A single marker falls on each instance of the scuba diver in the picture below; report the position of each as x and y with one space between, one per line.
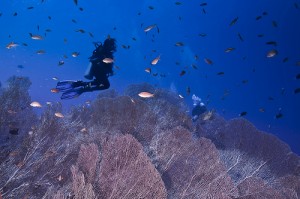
99 69
199 108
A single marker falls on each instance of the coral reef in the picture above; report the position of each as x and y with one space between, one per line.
124 146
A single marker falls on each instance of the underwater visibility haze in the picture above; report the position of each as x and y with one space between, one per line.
242 58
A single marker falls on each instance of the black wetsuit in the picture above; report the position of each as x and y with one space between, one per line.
99 71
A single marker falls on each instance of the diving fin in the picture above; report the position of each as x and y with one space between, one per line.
68 85
72 93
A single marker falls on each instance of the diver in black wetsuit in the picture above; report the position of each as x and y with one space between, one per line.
100 68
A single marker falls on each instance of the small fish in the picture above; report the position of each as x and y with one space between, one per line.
80 30
40 52
48 103
48 30
203 4
262 110
178 3
182 73
11 45
194 66
31 7
60 178
55 78
260 35
243 113
15 14
151 7
148 70
298 76
179 44
91 34
35 37
240 37
74 21
117 67
274 23
258 17
270 98
20 66
24 44
245 81
83 130
278 115
272 53
75 54
229 50
188 90
60 115
154 61
146 94
233 21
54 90
81 9
285 59
220 73
203 10
148 28
208 61
76 2
264 13
11 112
296 5
208 116
202 34
271 43
297 90
36 104
108 60
133 38
61 62
49 17
181 96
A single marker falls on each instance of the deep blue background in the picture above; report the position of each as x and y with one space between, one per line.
266 77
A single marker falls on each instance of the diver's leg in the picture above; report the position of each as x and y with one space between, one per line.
88 73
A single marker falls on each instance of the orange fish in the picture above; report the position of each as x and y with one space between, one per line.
108 60
54 90
154 61
11 45
146 94
208 61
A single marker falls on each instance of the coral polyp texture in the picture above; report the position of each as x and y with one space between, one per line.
125 146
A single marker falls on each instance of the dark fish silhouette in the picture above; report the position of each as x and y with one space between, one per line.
285 59
298 76
243 113
271 43
274 23
240 37
297 90
76 2
233 21
203 4
182 73
258 17
279 115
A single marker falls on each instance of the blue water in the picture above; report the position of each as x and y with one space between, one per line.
269 83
